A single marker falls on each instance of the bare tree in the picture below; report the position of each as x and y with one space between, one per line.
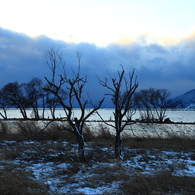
160 102
34 93
142 101
3 105
122 90
52 101
155 102
74 87
15 97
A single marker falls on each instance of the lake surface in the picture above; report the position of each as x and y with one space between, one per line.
107 114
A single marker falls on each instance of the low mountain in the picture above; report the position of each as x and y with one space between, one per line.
185 101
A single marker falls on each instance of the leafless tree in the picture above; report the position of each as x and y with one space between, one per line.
34 93
74 87
4 105
160 102
122 90
52 101
142 101
155 102
14 94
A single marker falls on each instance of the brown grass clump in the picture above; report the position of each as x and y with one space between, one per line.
162 182
3 127
173 143
34 130
19 182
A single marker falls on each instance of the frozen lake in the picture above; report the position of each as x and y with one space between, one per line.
133 130
107 114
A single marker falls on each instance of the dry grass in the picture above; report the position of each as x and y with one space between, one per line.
33 130
99 170
19 182
57 145
174 143
162 182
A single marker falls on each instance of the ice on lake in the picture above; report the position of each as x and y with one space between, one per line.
107 114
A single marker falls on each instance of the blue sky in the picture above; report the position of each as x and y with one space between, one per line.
155 37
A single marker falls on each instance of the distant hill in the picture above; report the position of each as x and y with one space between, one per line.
185 101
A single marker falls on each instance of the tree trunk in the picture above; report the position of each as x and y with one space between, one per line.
53 113
81 151
23 112
43 106
118 146
80 140
5 114
36 112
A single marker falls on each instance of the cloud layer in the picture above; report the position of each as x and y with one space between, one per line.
170 66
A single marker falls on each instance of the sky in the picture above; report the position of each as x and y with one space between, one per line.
155 37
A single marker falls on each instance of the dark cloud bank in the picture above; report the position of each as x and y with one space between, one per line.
171 67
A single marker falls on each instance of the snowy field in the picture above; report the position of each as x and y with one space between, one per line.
54 163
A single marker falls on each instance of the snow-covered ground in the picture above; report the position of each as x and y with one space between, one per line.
101 174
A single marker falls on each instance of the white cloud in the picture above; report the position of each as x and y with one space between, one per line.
100 22
163 66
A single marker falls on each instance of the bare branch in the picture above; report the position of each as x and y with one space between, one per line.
74 87
122 100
